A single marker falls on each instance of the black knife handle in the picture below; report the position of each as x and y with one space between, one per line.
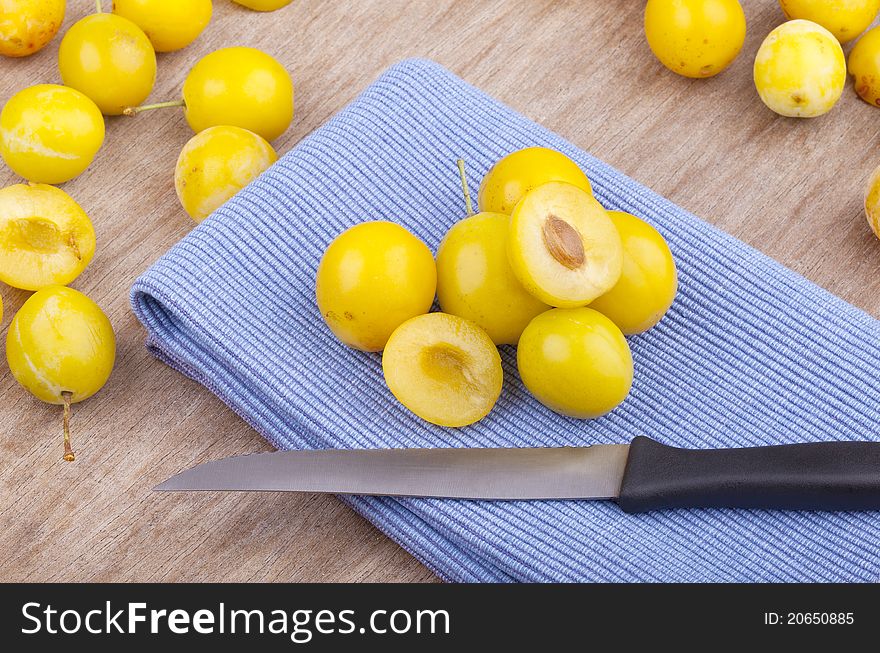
812 476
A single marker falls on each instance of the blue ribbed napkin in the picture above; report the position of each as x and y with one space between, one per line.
750 354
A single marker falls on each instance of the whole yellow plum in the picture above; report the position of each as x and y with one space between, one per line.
800 70
263 5
695 38
575 361
846 19
169 24
109 59
26 26
864 66
371 279
217 163
61 348
514 175
50 133
872 202
648 282
475 279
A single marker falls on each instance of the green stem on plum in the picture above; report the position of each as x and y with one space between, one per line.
68 451
464 187
133 111
98 6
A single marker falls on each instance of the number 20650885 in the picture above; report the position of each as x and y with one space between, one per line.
809 618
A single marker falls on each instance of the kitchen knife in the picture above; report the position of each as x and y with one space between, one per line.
642 476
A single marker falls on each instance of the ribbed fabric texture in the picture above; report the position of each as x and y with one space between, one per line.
750 354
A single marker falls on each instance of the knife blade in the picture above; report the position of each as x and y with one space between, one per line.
642 476
546 473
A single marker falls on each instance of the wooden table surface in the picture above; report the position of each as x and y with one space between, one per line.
791 188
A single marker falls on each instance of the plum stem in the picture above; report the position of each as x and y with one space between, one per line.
464 187
133 111
68 451
98 7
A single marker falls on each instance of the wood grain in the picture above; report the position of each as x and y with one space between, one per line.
791 188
